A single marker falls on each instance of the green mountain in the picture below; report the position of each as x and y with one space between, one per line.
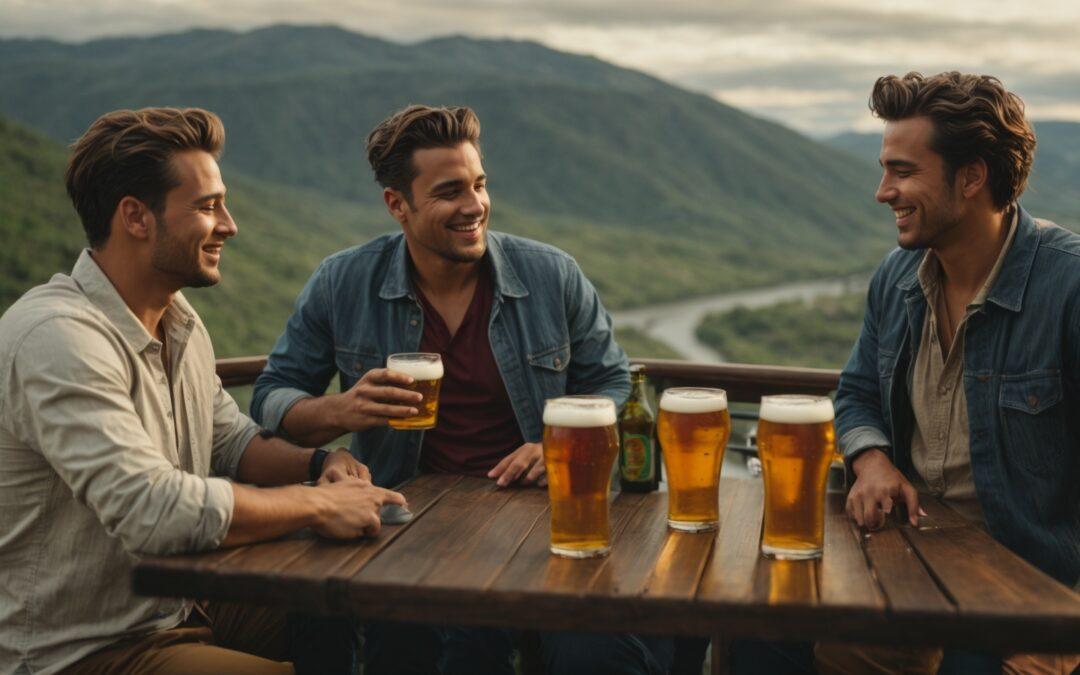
660 193
1052 191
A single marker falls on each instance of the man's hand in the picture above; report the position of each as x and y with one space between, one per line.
351 508
373 400
340 464
526 463
877 485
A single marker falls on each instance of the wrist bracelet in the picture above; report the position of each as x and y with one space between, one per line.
315 466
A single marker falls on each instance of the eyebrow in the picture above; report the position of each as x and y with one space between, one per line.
454 182
901 163
207 197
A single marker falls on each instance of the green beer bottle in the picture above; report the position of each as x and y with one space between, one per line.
638 463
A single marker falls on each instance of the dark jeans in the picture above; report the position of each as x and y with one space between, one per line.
750 657
323 645
411 649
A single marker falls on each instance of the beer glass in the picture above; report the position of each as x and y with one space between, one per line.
580 446
795 442
694 427
426 371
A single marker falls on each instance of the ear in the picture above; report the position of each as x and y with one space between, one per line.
972 177
134 218
396 204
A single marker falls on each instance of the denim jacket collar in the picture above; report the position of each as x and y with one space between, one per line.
1012 281
398 285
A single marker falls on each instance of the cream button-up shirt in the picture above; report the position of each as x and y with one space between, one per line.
103 457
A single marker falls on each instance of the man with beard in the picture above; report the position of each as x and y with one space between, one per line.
515 321
964 381
112 418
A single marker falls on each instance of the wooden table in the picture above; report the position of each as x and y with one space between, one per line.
475 554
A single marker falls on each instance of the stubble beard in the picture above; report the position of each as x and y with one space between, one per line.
172 257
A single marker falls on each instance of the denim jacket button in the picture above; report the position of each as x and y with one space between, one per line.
413 322
1033 400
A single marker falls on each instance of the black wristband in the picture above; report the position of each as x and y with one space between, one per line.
318 458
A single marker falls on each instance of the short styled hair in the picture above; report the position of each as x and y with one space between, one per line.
129 153
974 117
391 144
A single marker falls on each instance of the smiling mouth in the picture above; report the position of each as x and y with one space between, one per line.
213 250
904 212
466 227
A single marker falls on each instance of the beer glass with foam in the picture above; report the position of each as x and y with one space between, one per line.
427 371
694 427
795 443
580 446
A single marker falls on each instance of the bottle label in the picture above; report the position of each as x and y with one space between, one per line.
636 460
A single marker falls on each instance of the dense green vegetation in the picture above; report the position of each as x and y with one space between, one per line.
818 334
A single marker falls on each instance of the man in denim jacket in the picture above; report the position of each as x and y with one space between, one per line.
965 381
516 322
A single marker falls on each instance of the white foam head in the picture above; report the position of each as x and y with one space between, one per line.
579 412
796 409
693 400
420 369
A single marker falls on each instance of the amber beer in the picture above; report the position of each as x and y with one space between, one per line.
426 371
694 428
796 443
580 445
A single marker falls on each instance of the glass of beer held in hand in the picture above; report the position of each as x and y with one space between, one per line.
694 427
795 442
426 370
580 446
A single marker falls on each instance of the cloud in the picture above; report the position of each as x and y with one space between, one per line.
807 63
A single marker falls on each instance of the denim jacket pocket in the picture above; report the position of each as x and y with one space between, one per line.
353 363
549 366
1033 421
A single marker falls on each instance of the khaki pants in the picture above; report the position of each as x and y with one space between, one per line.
843 659
216 638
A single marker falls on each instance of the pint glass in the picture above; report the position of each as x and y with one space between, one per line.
580 446
694 427
795 441
426 371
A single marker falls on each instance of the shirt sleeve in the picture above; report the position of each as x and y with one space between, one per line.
598 365
301 364
69 388
233 431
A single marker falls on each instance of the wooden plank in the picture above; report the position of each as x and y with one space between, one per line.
444 532
845 577
785 582
908 586
635 551
681 562
488 551
534 569
729 573
186 575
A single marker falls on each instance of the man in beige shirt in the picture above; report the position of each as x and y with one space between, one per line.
112 420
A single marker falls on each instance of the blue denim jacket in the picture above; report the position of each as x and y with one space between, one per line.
1022 380
549 335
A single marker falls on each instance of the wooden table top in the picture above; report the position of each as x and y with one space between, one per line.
475 554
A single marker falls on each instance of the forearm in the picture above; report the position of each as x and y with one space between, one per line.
266 513
313 421
273 461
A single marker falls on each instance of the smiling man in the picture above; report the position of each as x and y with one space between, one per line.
516 322
965 380
112 420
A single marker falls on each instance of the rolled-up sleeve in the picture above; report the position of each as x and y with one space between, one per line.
70 391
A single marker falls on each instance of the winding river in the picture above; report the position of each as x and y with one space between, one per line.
674 323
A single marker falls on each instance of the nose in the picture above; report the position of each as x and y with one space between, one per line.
226 226
886 191
474 206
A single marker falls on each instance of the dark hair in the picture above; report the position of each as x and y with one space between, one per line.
391 144
974 117
128 153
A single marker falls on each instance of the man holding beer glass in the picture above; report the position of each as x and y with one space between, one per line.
514 321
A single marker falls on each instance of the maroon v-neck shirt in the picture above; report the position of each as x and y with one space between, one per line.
476 426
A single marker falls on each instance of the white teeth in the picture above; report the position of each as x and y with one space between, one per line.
465 228
901 213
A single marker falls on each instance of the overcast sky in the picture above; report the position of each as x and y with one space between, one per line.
806 63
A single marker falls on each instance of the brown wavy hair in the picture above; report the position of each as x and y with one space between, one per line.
128 153
391 144
974 117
